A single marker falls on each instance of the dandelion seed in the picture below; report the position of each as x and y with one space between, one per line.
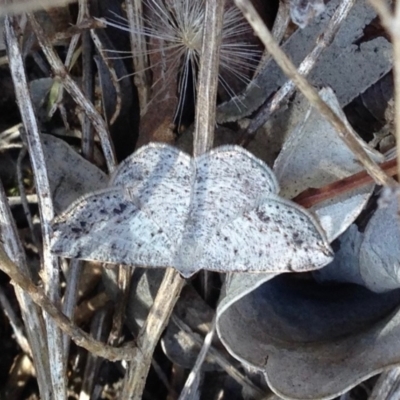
174 32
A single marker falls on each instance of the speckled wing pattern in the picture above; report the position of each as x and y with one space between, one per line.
274 236
139 220
218 212
229 180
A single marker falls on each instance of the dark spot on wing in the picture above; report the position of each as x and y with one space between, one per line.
296 239
119 210
262 216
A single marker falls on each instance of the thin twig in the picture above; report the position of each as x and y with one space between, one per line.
305 67
344 132
172 283
81 338
87 84
92 362
387 386
208 78
134 11
278 31
96 37
383 10
150 332
16 324
392 24
76 93
49 261
17 200
124 280
22 6
215 356
312 196
31 314
24 200
207 91
195 372
204 132
71 296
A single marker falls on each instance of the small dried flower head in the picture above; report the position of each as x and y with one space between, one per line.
173 30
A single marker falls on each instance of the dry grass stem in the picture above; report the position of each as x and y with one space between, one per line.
305 67
149 334
76 93
208 78
23 6
81 338
387 386
96 37
194 375
71 296
278 31
124 280
215 356
391 21
15 323
134 11
347 135
31 314
24 200
49 261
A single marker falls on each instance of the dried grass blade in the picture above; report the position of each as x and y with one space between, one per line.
348 136
49 261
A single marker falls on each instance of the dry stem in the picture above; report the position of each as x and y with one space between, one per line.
172 283
31 314
208 78
392 24
81 338
76 93
348 136
305 67
49 261
149 335
134 11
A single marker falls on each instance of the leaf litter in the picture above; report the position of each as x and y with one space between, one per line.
197 226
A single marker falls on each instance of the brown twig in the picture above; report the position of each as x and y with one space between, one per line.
344 132
310 197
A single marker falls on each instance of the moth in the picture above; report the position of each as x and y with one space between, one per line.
218 212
